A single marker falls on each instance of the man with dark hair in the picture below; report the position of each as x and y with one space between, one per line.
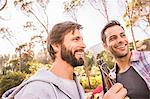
132 68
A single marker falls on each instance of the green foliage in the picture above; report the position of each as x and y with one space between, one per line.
34 66
94 80
147 43
80 71
69 5
16 65
25 68
95 71
108 59
89 59
136 10
140 44
10 80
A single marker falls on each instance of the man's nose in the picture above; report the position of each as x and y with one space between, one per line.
120 39
82 44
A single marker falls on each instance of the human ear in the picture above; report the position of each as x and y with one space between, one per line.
55 47
105 45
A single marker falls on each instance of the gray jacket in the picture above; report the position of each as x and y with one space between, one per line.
43 85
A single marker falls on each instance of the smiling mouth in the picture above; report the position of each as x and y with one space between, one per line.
81 54
121 46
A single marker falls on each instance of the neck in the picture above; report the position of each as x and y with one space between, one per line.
62 69
123 63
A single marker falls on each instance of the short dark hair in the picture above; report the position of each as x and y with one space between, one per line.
108 25
57 34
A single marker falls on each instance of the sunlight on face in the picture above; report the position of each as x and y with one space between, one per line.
116 41
72 49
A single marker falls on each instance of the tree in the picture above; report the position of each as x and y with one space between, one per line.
25 50
107 58
3 61
3 4
71 7
137 11
6 33
89 61
101 7
15 78
25 54
28 9
40 40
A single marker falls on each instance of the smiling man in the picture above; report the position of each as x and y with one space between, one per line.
132 68
66 48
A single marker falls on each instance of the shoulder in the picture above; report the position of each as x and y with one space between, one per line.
36 90
140 54
145 54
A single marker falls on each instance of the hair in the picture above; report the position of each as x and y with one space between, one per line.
108 25
57 34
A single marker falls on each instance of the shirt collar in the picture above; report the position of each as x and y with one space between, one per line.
135 56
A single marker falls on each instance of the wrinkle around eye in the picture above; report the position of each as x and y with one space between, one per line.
122 35
112 38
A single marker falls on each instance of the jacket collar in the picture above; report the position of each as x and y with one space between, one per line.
45 76
56 81
135 56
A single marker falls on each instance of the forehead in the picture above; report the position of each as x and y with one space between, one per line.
75 34
114 30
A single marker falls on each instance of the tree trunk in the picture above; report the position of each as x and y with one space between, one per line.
134 44
87 74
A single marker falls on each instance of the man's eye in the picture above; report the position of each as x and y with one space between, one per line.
123 35
76 39
112 38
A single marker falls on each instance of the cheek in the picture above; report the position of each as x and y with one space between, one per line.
68 45
109 44
127 40
71 48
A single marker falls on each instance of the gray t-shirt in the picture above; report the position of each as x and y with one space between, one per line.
72 87
136 86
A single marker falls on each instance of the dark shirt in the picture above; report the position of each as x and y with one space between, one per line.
134 83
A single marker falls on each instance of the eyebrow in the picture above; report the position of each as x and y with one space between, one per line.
115 35
112 36
78 37
122 33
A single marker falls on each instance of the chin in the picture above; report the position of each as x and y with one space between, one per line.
122 55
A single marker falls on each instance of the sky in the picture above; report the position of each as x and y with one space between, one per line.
91 20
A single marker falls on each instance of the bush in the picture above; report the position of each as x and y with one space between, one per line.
10 80
94 81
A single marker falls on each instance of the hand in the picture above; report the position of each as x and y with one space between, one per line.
117 91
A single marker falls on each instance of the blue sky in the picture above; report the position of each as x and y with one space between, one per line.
87 16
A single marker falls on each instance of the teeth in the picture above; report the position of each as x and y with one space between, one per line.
121 46
81 54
